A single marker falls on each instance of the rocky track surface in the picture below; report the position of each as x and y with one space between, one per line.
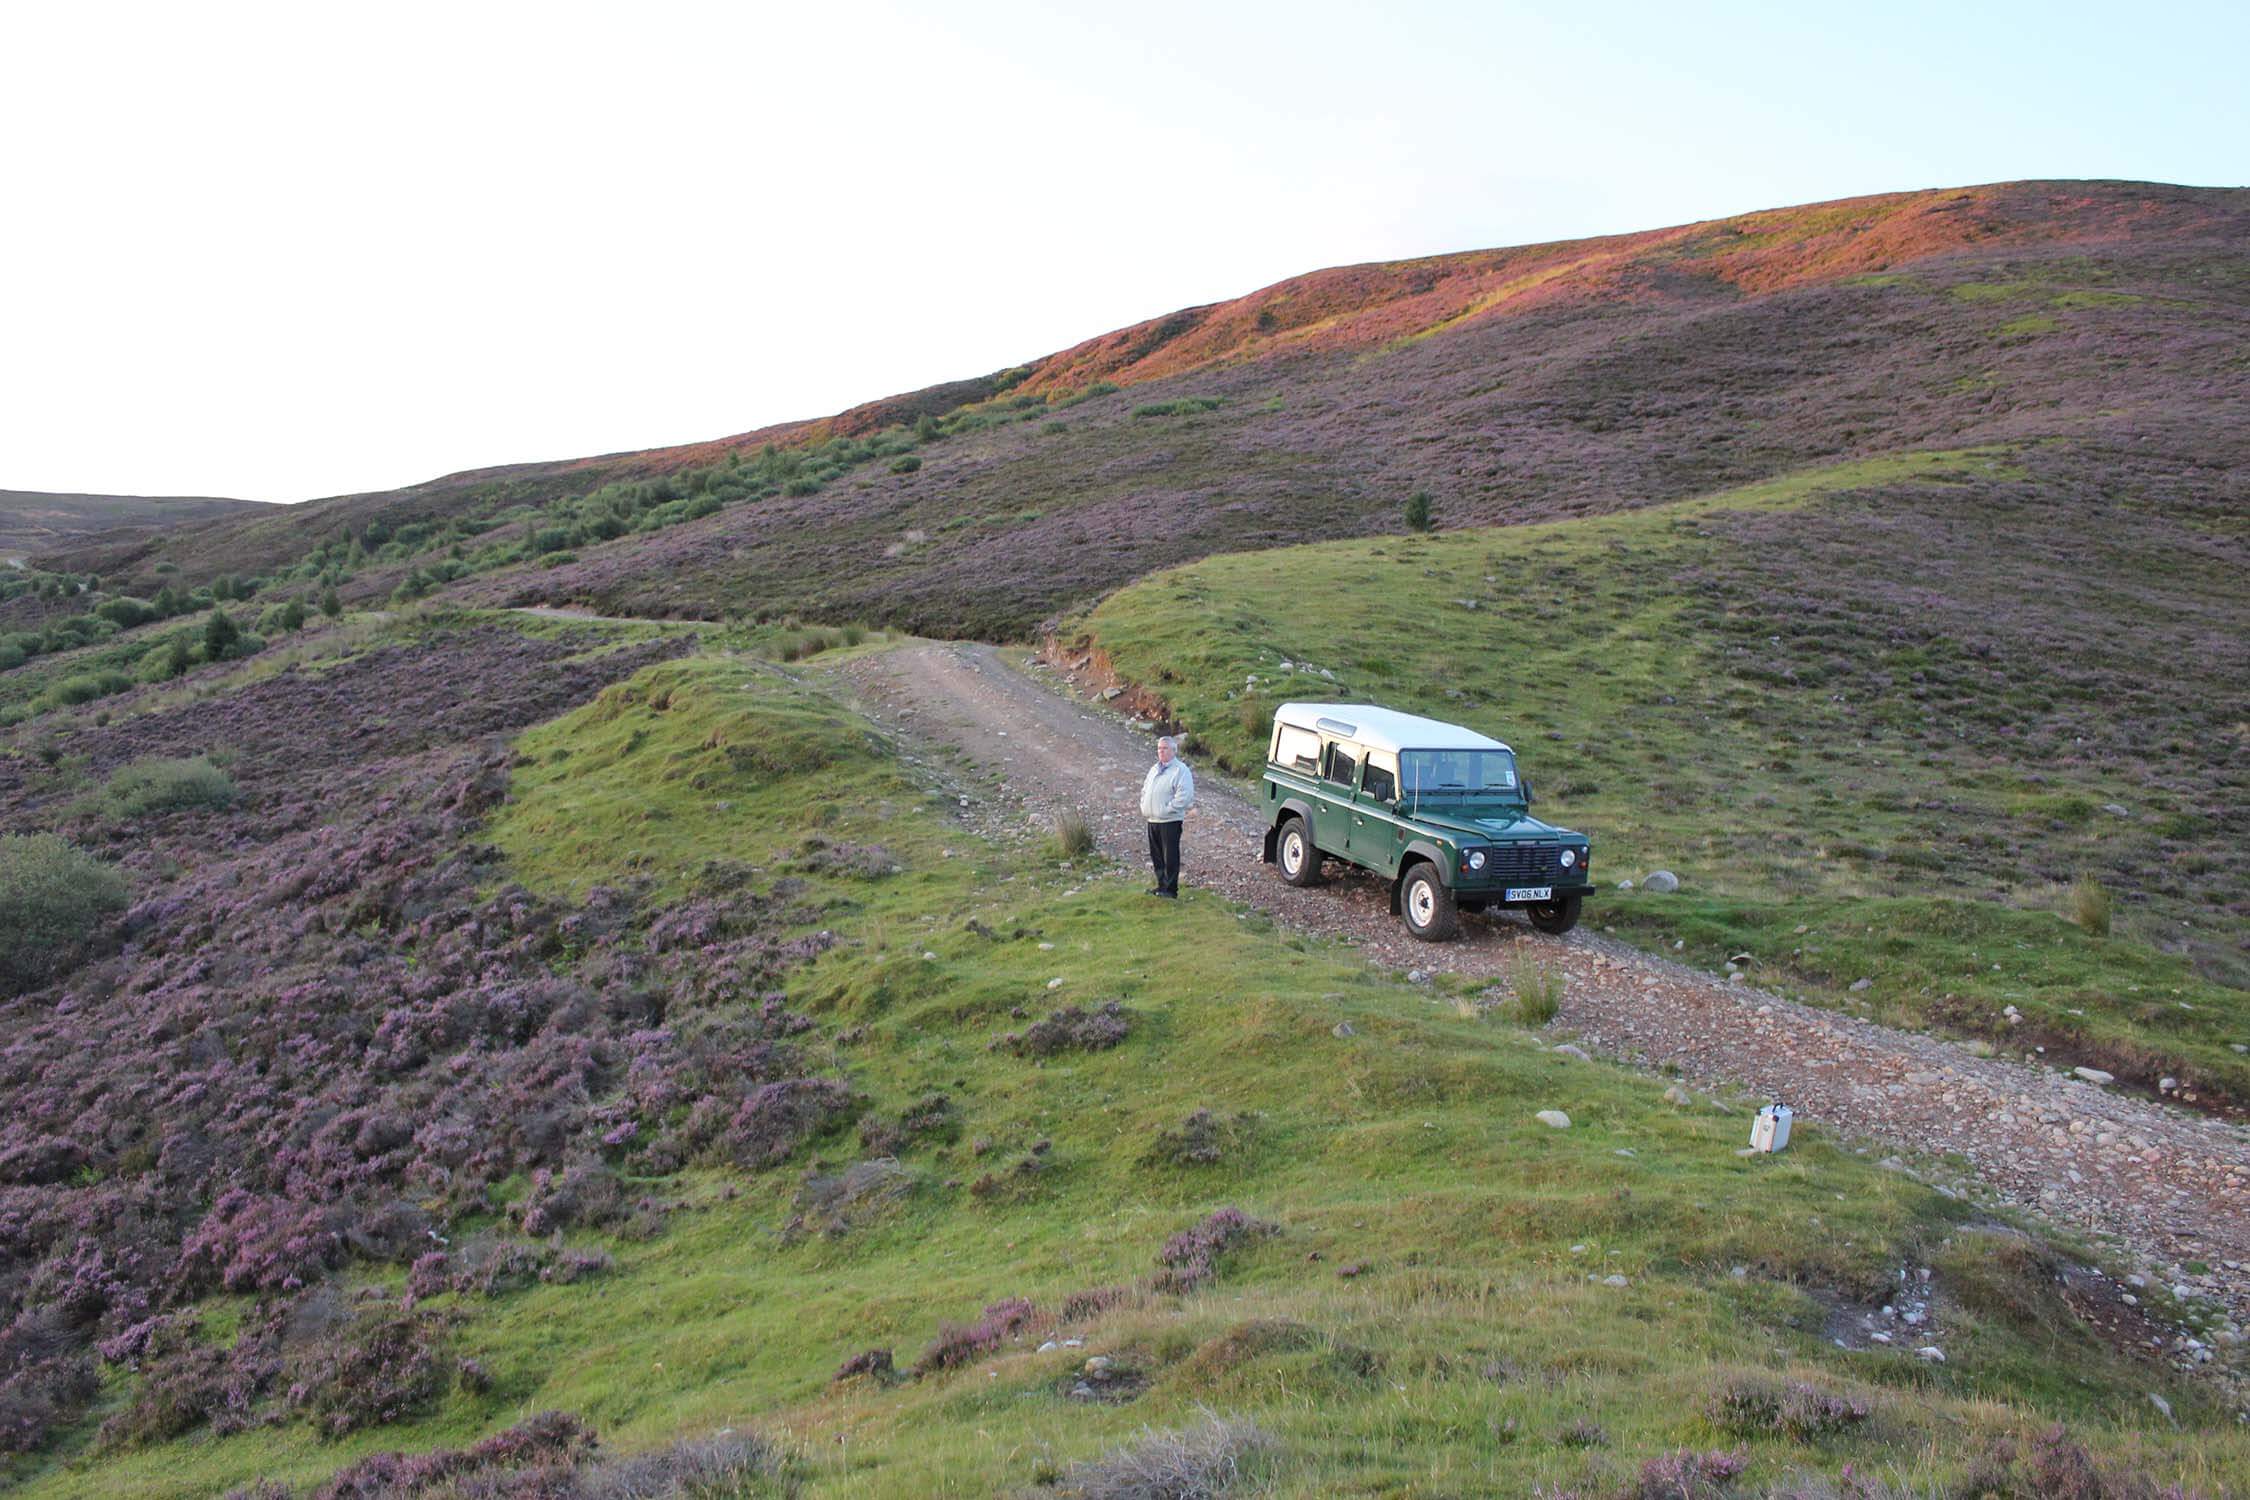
2169 1190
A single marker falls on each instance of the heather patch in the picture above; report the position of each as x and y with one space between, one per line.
332 1031
1071 1029
1201 1140
555 1456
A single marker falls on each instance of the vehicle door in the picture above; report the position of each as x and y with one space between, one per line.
1333 808
1375 835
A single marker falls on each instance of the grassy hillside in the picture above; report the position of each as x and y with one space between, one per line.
1273 1189
1518 384
1881 718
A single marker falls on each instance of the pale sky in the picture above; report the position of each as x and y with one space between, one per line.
283 251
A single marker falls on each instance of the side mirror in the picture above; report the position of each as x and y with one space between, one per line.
1525 783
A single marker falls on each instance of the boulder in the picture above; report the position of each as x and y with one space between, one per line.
1553 1118
1662 882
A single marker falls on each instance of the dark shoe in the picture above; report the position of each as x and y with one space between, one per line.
1169 895
1154 890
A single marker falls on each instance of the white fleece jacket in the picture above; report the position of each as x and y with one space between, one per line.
1167 792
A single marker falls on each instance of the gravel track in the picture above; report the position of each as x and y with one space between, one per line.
2165 1187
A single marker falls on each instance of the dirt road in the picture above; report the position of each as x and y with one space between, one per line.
2172 1188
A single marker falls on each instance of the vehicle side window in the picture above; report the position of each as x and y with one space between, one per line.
1341 765
1298 749
1381 778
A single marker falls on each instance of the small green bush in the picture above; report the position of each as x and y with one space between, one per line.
1418 511
220 635
52 900
906 463
125 612
148 786
85 688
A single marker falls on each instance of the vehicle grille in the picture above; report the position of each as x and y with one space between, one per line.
1522 864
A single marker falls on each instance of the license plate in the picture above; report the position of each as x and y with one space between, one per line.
1531 893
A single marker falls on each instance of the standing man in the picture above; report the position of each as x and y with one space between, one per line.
1167 792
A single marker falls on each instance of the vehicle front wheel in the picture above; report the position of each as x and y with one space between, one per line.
1427 905
1555 917
1294 852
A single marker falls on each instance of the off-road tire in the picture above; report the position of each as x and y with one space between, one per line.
1425 904
1555 917
1302 867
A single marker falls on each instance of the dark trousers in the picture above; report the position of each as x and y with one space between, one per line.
1164 854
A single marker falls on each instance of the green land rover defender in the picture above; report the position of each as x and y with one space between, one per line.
1438 810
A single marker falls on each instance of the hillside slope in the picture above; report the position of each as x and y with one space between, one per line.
42 521
688 1062
1516 384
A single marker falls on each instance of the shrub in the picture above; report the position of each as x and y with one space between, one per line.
172 659
906 463
959 1343
1074 837
1189 1464
1687 1475
2088 906
125 612
220 635
1191 1257
1418 511
1199 1140
148 786
1538 991
776 1118
1072 1029
331 603
387 1366
1798 1411
52 899
85 688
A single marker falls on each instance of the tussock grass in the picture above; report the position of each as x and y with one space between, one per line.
1073 836
1536 989
2088 906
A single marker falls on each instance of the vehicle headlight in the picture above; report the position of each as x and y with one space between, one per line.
1569 859
1476 859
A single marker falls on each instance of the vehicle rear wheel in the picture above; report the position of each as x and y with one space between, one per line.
1294 852
1555 917
1427 905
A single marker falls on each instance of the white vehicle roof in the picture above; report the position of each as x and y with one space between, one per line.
1383 728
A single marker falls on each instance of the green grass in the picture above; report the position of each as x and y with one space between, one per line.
1771 693
1477 1331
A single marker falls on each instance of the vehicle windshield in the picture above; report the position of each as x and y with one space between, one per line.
1457 773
